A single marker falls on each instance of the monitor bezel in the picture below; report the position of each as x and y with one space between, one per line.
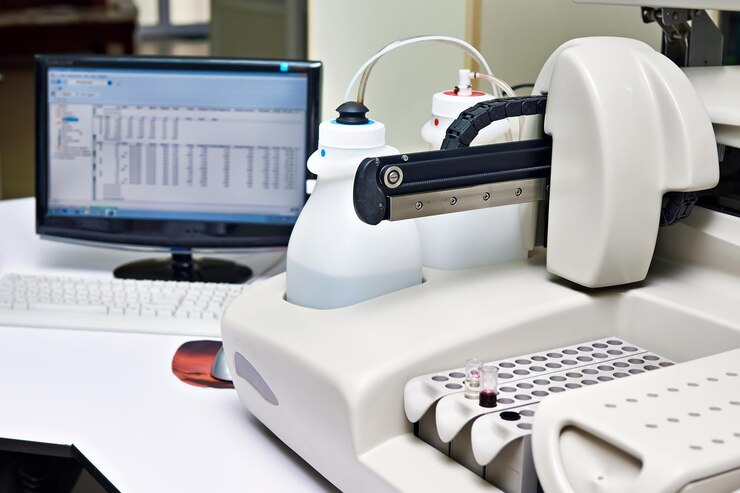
154 233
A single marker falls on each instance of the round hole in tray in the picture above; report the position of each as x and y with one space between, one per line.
650 357
620 364
736 435
522 361
541 381
505 400
521 372
554 355
536 368
614 352
585 348
556 389
672 389
440 378
573 374
458 374
600 345
539 393
695 447
735 403
524 385
558 378
635 361
673 420
454 386
510 416
589 382
507 389
712 379
731 374
505 375
692 384
665 364
651 426
604 378
629 349
636 371
715 408
539 358
527 412
506 364
694 415
523 397
569 362
584 358
605 367
614 342
589 371
621 374
553 365
651 367
570 351
652 394
600 355
718 441
524 426
612 406
631 400
573 385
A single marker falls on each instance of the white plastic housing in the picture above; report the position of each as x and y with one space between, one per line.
717 88
656 432
627 127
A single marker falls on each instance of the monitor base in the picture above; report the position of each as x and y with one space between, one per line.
183 267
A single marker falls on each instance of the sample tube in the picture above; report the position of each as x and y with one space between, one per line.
472 378
488 386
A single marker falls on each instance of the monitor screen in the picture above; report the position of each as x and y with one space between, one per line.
177 153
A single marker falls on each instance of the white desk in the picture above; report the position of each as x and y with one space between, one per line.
113 395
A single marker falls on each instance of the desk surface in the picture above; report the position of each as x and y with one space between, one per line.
113 395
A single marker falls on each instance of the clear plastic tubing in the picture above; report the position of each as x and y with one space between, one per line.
363 73
488 386
472 378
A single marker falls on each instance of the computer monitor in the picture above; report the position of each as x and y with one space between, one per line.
174 154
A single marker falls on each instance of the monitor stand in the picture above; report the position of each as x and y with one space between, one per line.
183 267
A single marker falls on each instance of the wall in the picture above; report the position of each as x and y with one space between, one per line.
517 36
345 33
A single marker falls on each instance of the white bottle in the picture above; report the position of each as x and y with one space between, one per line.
472 238
334 259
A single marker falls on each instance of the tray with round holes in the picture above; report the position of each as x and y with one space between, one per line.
665 431
523 382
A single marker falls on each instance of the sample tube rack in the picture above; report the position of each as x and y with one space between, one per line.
495 442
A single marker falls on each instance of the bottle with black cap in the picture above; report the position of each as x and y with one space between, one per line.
334 259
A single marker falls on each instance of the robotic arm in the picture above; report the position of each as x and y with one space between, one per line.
623 126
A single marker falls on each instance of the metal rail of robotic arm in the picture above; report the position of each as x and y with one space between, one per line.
461 178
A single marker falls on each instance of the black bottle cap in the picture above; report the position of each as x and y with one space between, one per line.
352 113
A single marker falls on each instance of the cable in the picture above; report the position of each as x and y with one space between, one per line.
364 71
522 86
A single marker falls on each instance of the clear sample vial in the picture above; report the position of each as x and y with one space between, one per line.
472 378
488 386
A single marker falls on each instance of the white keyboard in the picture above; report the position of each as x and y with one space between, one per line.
164 307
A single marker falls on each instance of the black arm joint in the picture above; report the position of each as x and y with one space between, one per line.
514 108
497 112
480 116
